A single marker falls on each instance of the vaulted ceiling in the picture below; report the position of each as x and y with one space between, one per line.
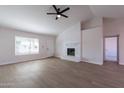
33 18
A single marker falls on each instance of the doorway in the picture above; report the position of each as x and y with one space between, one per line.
111 49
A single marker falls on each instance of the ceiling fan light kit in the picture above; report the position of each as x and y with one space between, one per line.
58 16
59 12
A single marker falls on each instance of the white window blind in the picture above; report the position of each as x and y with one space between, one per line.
26 46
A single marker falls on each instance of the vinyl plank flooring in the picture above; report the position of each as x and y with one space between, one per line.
56 73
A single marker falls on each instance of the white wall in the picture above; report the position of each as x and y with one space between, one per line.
114 27
89 41
7 46
92 23
92 41
71 35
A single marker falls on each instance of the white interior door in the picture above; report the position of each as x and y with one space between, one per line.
111 49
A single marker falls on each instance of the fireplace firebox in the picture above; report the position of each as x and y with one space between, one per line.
71 51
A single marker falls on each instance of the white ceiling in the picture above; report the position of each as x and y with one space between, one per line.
108 11
33 18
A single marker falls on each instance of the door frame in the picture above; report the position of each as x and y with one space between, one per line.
117 48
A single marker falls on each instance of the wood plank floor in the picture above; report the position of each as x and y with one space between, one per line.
53 72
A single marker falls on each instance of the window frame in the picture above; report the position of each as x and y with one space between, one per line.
30 52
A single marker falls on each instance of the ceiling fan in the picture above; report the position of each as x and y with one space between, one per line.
59 12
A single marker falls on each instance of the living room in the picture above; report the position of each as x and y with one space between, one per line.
61 46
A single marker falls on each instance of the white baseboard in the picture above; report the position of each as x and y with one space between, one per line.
120 63
92 62
14 62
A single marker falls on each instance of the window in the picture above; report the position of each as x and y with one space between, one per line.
25 46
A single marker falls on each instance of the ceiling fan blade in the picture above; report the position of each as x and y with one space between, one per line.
51 13
55 8
64 15
65 10
56 18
